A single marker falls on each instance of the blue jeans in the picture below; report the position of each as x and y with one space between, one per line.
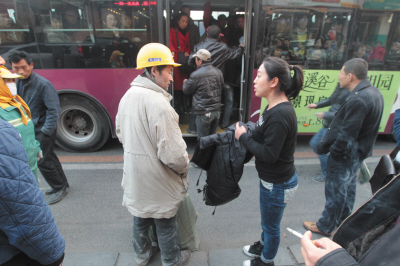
340 191
273 201
207 124
167 230
227 92
313 143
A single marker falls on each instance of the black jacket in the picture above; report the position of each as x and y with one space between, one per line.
354 128
41 97
220 52
336 100
206 86
223 157
370 236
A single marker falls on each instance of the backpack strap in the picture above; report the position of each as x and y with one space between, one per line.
177 39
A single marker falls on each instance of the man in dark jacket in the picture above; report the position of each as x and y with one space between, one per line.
206 86
28 232
368 237
220 53
336 100
42 99
349 140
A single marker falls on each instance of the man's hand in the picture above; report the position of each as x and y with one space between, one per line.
187 54
312 252
240 130
173 54
320 115
241 45
311 106
185 80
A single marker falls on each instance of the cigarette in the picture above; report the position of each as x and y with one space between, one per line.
298 234
295 233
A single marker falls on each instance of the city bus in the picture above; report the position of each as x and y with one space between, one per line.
71 43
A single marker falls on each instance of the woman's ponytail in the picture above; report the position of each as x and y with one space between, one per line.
297 82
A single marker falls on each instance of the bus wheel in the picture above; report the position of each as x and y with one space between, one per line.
82 125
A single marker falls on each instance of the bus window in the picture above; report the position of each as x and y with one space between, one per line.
64 30
14 23
121 30
335 38
371 38
393 56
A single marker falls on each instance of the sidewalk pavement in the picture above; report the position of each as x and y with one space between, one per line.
223 257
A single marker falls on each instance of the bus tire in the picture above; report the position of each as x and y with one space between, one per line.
82 126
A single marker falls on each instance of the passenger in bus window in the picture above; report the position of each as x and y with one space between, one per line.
336 31
394 52
300 32
286 53
97 60
360 52
57 36
7 24
126 23
109 25
277 52
72 20
317 46
280 29
299 51
115 45
116 59
377 53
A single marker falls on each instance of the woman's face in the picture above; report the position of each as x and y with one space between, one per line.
126 21
183 22
262 84
111 21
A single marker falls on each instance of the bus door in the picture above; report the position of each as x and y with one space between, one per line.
235 21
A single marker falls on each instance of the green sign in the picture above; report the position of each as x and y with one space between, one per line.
382 4
320 84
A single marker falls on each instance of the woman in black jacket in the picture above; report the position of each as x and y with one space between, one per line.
273 144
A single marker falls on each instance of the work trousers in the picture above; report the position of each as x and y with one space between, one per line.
167 232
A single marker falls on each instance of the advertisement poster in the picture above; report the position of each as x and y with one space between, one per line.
320 84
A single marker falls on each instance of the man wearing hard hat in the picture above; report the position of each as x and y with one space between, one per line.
156 163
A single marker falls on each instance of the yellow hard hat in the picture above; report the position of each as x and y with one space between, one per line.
154 54
5 73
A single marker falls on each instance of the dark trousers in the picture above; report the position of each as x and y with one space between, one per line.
227 93
340 191
167 236
21 259
207 124
49 165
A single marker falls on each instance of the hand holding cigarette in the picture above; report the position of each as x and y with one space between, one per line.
313 251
